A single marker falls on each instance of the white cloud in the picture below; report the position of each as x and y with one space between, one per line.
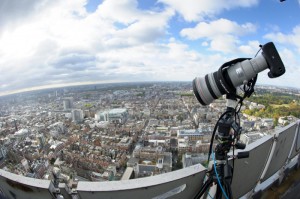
123 11
288 45
49 42
217 28
14 11
291 61
222 34
63 43
147 28
292 39
192 10
170 61
250 49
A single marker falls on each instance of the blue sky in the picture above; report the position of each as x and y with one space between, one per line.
52 43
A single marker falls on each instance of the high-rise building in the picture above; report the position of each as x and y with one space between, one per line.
102 116
3 152
68 103
77 115
41 140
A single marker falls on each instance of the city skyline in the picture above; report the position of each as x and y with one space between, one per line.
45 44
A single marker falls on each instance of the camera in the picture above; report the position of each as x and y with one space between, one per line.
237 72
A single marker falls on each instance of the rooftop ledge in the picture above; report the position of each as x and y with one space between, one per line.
38 183
140 182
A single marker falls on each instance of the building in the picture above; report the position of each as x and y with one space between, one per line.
148 153
41 140
190 134
268 122
146 111
128 174
287 120
146 167
107 175
254 105
56 147
25 164
189 159
22 133
118 115
3 152
246 124
102 116
77 115
68 103
251 137
55 129
39 169
125 143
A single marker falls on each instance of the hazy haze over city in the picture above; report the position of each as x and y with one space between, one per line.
47 43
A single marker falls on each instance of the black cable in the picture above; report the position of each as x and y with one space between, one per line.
214 132
235 119
260 48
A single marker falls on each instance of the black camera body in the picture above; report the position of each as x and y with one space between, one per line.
273 59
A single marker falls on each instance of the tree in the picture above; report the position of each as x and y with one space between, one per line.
180 118
52 161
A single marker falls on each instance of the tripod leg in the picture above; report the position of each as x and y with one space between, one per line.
219 192
204 188
228 180
228 190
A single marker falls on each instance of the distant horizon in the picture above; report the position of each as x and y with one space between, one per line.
41 88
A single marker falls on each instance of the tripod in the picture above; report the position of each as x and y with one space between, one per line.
221 178
228 132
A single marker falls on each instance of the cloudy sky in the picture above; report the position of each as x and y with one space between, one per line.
47 43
